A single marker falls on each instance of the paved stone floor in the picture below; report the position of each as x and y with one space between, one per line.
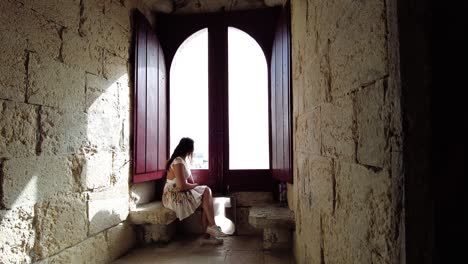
235 249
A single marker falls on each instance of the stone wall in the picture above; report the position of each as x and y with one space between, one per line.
64 130
347 193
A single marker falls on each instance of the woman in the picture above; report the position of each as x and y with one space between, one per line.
182 195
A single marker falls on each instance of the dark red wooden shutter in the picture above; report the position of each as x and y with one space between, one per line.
281 100
150 104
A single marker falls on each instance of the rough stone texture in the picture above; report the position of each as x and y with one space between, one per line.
152 213
92 250
338 129
64 129
271 217
29 180
107 209
120 240
308 135
52 83
29 30
81 53
61 223
252 198
358 51
97 170
18 129
370 125
346 95
61 131
158 232
363 219
17 234
104 126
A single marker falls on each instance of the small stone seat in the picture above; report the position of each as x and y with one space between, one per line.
155 222
152 213
277 224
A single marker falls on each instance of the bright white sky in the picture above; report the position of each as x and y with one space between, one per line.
248 99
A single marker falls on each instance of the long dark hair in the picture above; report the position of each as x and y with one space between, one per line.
183 149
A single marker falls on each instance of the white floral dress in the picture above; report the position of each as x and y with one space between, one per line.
183 203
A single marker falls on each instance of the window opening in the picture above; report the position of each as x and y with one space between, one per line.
248 103
189 96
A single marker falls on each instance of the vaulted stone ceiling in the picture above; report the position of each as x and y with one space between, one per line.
205 6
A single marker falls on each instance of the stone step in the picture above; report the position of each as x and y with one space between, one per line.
277 223
152 213
154 222
271 216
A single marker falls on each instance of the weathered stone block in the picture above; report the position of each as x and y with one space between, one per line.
16 235
118 13
308 132
92 250
120 240
104 122
115 68
97 170
18 128
91 20
252 198
358 53
370 125
52 83
62 131
316 188
81 53
61 223
363 215
33 29
108 208
158 232
337 129
152 213
271 216
121 168
12 65
28 180
65 13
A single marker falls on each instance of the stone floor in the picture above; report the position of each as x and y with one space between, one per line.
236 249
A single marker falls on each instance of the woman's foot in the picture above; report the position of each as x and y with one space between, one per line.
215 231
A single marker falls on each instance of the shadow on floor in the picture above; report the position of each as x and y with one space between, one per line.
191 249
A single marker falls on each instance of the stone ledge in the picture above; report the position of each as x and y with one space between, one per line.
152 213
271 216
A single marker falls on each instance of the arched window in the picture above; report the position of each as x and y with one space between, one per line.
189 96
248 102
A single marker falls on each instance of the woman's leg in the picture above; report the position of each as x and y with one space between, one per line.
207 203
204 220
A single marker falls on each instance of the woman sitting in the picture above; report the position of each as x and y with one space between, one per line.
182 195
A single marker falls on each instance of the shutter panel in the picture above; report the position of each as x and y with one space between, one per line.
281 103
150 107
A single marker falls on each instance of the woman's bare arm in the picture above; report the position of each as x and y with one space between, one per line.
182 184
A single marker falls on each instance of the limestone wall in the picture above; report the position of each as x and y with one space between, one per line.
347 193
64 130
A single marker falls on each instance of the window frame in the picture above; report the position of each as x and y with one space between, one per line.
172 31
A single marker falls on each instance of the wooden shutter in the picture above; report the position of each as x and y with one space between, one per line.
150 104
281 100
